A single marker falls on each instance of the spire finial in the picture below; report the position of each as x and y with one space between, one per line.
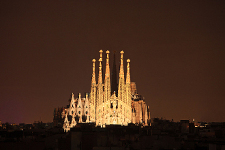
121 52
101 51
79 95
128 65
128 71
93 65
121 64
107 56
100 59
72 96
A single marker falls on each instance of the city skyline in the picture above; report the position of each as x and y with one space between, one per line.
176 51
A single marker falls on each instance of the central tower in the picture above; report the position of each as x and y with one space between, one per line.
110 108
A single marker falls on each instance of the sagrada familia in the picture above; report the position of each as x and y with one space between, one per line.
108 102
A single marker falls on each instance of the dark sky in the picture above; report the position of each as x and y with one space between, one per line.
177 52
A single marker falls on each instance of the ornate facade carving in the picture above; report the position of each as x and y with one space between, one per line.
104 106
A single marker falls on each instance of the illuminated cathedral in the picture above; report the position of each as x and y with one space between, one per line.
109 102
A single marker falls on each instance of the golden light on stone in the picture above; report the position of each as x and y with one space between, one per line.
107 57
101 51
104 106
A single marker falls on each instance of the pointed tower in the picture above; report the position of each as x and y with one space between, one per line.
93 94
107 85
121 92
72 105
107 92
128 93
121 80
114 83
100 93
79 108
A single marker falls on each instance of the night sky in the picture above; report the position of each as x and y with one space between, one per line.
176 48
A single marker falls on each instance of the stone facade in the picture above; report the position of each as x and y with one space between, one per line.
105 104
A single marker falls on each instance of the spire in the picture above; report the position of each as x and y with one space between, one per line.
72 105
72 97
114 76
100 68
79 103
107 79
128 71
93 93
121 74
128 90
121 87
107 70
93 73
100 91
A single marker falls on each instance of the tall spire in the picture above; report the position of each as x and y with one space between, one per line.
100 68
128 71
114 82
121 74
93 73
121 87
107 70
128 91
107 79
93 94
100 92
